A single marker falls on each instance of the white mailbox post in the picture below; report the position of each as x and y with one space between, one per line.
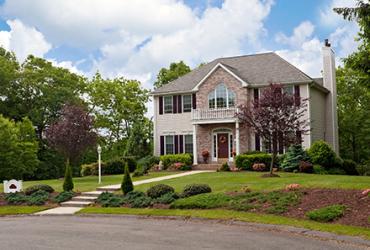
12 186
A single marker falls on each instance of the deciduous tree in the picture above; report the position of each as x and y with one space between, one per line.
172 73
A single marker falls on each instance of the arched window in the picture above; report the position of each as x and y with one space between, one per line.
221 97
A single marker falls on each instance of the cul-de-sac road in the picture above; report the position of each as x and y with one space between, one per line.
80 232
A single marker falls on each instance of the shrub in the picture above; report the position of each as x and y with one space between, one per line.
16 198
364 169
168 160
38 198
318 169
294 155
202 201
246 162
63 196
113 201
259 167
305 167
321 153
336 171
349 167
185 168
104 197
194 189
137 199
114 167
138 172
166 198
68 181
32 189
127 185
131 162
159 190
224 167
327 214
147 162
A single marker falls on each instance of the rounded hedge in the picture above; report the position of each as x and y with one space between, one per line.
321 153
194 189
159 190
33 189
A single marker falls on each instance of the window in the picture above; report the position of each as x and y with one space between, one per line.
188 144
169 145
221 97
186 102
289 90
168 102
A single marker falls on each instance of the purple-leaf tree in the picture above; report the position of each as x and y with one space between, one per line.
276 117
72 133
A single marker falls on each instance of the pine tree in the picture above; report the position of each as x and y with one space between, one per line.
68 181
293 156
127 185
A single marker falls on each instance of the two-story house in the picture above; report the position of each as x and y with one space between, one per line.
196 112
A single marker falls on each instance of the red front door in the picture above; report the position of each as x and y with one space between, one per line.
223 145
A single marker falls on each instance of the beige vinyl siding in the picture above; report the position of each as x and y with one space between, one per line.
317 111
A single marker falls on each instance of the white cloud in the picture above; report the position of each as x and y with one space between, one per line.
24 40
329 18
72 66
299 36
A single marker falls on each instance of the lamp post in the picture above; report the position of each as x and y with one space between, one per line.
99 162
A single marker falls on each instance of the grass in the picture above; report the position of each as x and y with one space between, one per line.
232 181
90 183
12 210
236 215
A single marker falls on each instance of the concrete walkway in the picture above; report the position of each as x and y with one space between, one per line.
70 207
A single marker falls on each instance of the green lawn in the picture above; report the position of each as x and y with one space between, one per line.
12 210
235 215
90 183
232 181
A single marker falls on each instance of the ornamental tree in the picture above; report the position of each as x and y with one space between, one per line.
71 134
276 117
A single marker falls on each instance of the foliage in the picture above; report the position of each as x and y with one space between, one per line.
337 171
166 198
294 155
139 140
104 197
147 162
18 149
137 199
246 161
131 162
16 198
318 169
349 167
171 159
327 214
194 189
114 167
63 196
90 169
364 169
159 190
32 189
113 201
321 153
305 167
127 185
38 198
275 116
68 181
224 167
172 73
202 201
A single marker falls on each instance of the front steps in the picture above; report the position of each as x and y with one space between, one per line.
204 166
83 200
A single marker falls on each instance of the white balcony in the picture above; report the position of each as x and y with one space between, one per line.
213 115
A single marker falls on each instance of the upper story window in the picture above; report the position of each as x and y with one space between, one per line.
186 103
221 97
168 102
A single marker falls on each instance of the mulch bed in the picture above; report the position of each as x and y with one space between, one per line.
356 214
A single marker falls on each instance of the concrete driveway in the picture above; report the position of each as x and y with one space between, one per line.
76 232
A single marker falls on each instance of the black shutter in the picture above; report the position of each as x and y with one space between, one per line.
162 145
257 142
174 104
181 144
176 144
297 95
194 99
179 104
255 96
161 105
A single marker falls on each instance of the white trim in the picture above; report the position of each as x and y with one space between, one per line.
191 103
237 139
309 117
215 97
164 106
244 84
227 131
183 146
195 152
165 144
214 121
155 139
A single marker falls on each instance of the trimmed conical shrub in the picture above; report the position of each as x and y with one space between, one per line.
127 185
68 181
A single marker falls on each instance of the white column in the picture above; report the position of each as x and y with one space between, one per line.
195 157
237 135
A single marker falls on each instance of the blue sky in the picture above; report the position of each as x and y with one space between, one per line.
136 38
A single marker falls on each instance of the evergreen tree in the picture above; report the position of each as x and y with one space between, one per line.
68 181
293 156
127 185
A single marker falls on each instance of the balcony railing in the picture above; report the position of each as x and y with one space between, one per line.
213 114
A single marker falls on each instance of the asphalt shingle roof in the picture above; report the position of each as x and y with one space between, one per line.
258 69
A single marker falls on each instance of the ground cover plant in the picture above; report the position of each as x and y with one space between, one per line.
327 214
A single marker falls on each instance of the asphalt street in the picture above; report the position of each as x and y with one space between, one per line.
76 232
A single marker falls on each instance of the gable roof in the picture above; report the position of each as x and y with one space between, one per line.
255 70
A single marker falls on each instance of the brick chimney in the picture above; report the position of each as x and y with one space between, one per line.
331 124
